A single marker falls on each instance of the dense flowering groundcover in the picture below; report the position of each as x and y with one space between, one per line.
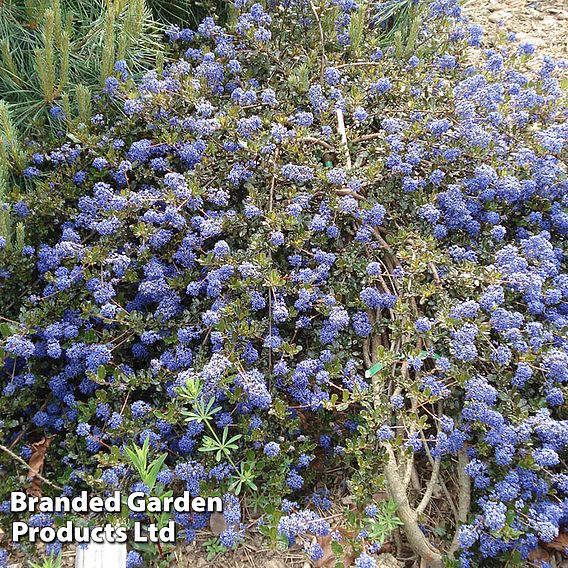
340 268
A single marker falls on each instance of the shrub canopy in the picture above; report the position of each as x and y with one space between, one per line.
351 258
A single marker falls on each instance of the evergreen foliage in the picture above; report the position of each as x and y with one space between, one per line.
291 265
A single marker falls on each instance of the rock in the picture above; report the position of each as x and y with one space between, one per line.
388 561
537 42
550 21
496 17
275 563
217 523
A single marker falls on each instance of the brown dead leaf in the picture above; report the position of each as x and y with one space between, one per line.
539 554
217 523
37 458
559 544
380 496
319 463
345 533
387 547
348 556
36 465
304 419
328 558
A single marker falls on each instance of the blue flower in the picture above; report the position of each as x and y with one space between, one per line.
19 346
272 449
133 559
365 561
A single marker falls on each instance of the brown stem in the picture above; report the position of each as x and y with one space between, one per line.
322 41
429 489
464 499
366 137
316 141
35 473
366 357
419 543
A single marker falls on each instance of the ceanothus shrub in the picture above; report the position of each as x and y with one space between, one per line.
358 255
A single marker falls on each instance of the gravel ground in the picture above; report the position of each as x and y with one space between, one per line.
542 22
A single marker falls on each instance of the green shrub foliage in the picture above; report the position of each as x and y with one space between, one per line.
302 266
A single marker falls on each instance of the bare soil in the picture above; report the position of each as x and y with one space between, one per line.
544 23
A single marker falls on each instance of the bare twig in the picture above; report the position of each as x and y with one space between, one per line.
366 137
314 140
435 274
429 488
322 41
440 478
23 462
341 130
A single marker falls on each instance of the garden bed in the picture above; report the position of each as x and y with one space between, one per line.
313 264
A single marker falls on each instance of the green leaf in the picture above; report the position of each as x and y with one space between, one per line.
336 548
7 329
425 354
153 470
373 370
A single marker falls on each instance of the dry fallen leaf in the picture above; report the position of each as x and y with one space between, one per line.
36 465
380 496
539 554
217 523
559 544
328 558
